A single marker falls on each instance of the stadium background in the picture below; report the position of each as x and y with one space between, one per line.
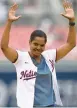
45 15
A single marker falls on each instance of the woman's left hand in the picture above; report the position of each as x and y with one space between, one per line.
69 12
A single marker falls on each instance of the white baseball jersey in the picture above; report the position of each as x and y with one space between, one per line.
26 77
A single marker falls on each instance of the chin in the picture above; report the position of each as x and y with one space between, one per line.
37 55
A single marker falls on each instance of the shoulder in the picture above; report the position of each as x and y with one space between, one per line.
50 51
22 55
50 54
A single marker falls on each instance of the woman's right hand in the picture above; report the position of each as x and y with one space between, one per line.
11 14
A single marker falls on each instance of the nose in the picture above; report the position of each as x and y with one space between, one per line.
38 47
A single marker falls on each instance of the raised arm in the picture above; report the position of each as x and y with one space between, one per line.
71 41
10 53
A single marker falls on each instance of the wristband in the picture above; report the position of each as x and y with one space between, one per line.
71 23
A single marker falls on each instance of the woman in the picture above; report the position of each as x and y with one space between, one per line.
36 77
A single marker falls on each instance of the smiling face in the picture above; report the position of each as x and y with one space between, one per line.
37 46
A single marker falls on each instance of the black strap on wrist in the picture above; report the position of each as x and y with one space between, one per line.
71 23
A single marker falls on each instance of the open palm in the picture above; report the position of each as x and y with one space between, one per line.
12 11
69 12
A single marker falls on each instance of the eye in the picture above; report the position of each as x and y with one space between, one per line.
35 44
42 45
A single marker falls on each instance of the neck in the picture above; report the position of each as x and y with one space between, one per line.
37 58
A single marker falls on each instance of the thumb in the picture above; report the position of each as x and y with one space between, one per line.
62 14
66 15
18 17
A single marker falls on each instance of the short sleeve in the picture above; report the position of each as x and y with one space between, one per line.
50 54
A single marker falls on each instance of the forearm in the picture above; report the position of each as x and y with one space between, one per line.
6 34
72 34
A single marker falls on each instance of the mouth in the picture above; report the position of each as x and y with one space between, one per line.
36 51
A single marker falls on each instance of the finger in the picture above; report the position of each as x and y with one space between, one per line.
67 4
14 7
64 5
19 16
63 14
